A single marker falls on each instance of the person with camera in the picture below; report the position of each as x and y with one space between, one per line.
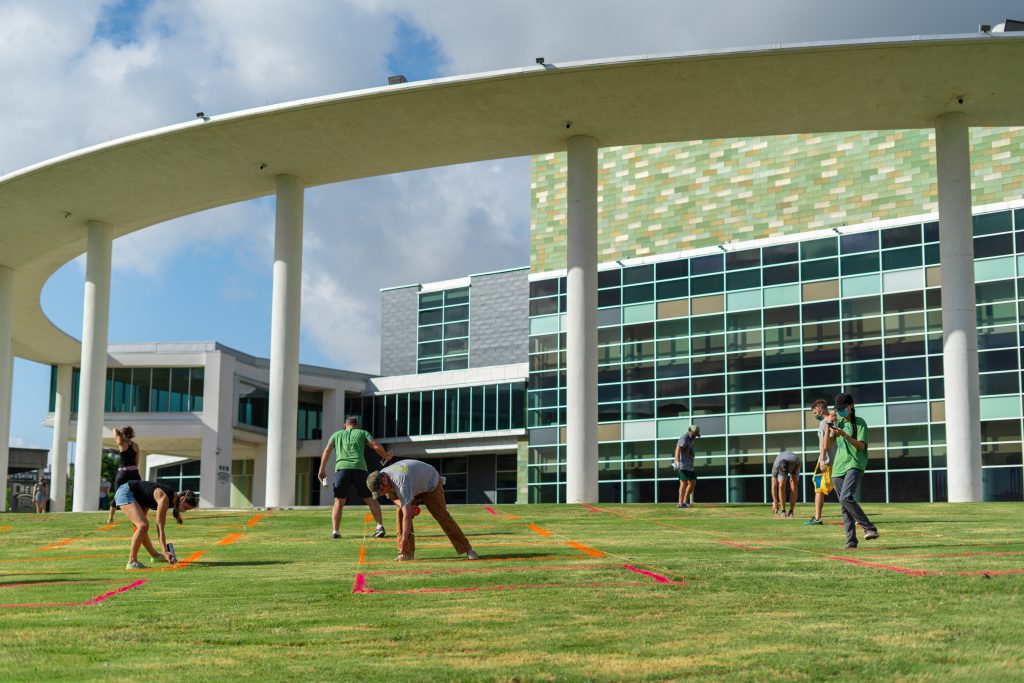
851 435
826 453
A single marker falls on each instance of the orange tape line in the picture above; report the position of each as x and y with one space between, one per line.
56 545
5 528
62 557
586 549
362 555
229 539
537 530
110 526
181 563
368 517
252 522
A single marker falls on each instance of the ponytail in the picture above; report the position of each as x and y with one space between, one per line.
174 508
853 422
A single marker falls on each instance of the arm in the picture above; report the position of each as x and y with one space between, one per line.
379 450
678 452
162 503
822 449
405 513
859 445
323 459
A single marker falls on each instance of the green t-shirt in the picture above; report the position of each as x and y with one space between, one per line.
349 445
847 457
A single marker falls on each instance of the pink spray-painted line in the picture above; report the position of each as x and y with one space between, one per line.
100 598
876 565
490 509
912 556
657 577
94 601
738 545
359 586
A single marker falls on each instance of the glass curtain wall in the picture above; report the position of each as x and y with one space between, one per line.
742 342
443 331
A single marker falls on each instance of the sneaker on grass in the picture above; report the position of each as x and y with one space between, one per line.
471 555
335 536
379 533
852 545
812 521
136 565
870 535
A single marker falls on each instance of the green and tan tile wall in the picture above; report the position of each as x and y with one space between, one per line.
670 197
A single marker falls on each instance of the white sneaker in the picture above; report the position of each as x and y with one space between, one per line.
136 565
471 555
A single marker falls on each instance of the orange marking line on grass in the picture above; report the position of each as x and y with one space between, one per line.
56 545
108 527
256 518
486 559
586 549
738 545
912 556
229 539
474 570
63 557
367 517
876 565
5 528
362 554
537 530
181 563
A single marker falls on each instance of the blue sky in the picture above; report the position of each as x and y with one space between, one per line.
80 73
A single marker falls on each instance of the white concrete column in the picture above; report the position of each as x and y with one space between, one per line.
6 375
581 323
959 317
92 381
217 432
284 344
259 476
59 449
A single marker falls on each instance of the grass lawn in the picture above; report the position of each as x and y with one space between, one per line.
613 592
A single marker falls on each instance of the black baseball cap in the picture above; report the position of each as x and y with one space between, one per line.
842 401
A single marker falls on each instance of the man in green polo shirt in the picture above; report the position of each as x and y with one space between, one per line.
350 471
851 434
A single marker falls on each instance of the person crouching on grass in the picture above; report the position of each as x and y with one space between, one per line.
785 470
136 499
410 483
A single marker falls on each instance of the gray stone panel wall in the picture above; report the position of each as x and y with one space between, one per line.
398 318
499 327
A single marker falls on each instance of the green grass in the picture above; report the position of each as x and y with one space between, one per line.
277 604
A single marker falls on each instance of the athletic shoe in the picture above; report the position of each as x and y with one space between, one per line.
136 565
812 521
851 545
379 533
335 536
870 535
471 555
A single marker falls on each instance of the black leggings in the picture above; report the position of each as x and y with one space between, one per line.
123 477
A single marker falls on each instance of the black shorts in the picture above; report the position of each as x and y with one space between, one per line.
343 479
125 476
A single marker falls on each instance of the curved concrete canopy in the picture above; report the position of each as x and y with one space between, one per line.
155 176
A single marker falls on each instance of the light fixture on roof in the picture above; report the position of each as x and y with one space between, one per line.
539 60
201 115
397 79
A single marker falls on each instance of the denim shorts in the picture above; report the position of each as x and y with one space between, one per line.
124 495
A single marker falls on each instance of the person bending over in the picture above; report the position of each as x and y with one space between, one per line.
409 483
784 476
136 499
129 467
350 472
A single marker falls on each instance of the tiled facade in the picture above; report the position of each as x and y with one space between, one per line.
656 199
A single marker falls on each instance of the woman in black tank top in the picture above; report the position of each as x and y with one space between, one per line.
129 467
137 498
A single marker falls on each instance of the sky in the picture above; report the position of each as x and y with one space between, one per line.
79 73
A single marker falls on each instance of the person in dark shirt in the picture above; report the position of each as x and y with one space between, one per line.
137 498
128 470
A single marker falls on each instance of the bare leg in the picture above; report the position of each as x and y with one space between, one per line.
374 506
110 517
137 514
682 491
690 486
792 494
339 505
775 495
819 504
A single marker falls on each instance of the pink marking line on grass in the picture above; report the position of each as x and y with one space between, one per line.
490 509
657 577
914 556
876 565
737 545
93 601
360 584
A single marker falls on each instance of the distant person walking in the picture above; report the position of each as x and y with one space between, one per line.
104 494
683 463
350 472
784 476
136 498
826 454
128 470
408 483
39 496
851 434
